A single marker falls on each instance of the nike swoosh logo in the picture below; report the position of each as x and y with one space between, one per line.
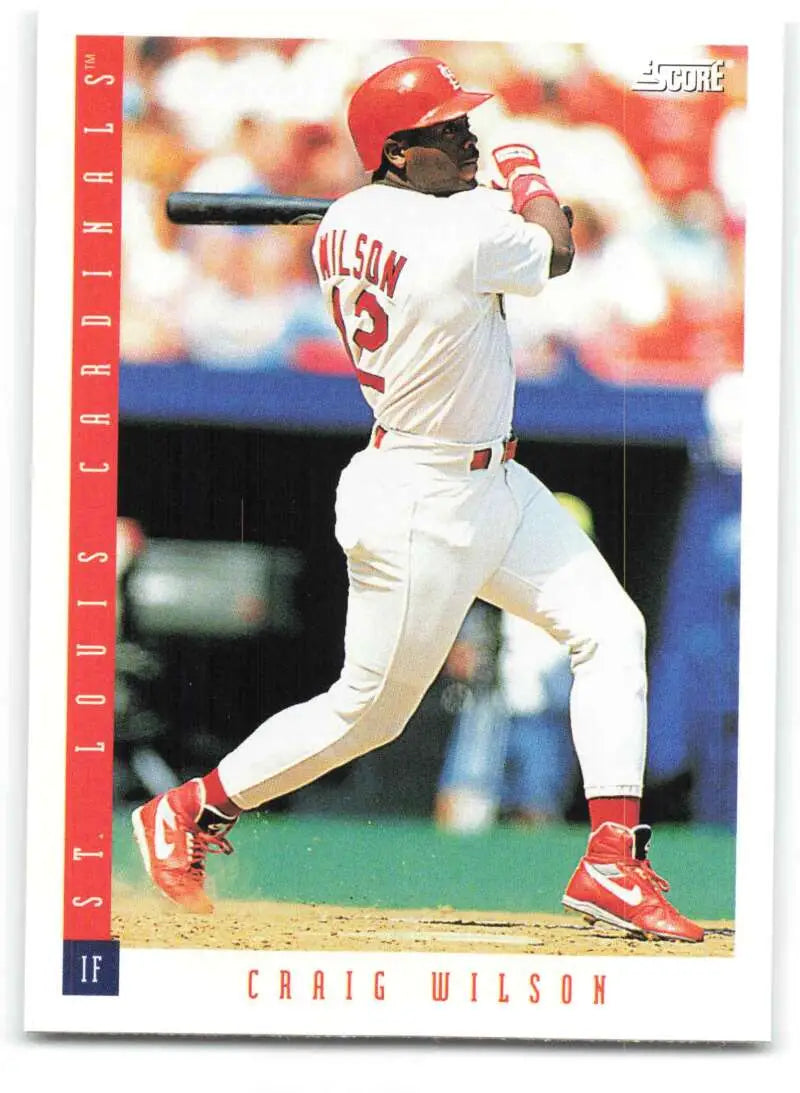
631 896
164 821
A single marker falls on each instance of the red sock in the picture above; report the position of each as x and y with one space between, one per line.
217 797
616 810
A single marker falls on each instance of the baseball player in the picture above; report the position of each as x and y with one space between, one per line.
435 512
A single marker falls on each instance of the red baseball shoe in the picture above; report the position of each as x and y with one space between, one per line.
174 832
615 883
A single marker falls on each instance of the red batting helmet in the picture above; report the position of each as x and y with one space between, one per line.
409 94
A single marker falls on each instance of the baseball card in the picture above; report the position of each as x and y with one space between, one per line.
404 526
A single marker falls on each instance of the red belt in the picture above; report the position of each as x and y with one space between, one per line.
481 457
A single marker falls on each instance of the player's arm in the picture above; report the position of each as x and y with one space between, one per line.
555 221
536 202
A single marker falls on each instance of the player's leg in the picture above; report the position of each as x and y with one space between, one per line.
395 643
553 575
413 573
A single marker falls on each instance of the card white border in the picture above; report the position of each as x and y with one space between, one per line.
51 400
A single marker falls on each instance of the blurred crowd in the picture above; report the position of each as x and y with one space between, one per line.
655 295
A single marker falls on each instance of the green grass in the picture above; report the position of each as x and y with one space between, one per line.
405 863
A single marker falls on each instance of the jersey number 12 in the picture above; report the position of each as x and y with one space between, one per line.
377 336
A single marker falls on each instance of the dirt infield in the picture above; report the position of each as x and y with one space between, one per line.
150 921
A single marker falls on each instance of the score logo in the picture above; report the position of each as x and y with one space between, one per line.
688 78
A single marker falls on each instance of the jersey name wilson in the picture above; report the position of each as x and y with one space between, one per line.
367 259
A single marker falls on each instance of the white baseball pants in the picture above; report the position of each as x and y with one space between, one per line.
424 536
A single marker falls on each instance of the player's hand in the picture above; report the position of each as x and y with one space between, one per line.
512 160
519 168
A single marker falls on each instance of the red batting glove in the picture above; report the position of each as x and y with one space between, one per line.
519 165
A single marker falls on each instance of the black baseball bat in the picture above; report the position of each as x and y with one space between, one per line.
199 208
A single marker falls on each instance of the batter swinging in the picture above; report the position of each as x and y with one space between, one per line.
435 512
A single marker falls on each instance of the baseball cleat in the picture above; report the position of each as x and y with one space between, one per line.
175 831
616 884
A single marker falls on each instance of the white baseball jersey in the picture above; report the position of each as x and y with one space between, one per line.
415 284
